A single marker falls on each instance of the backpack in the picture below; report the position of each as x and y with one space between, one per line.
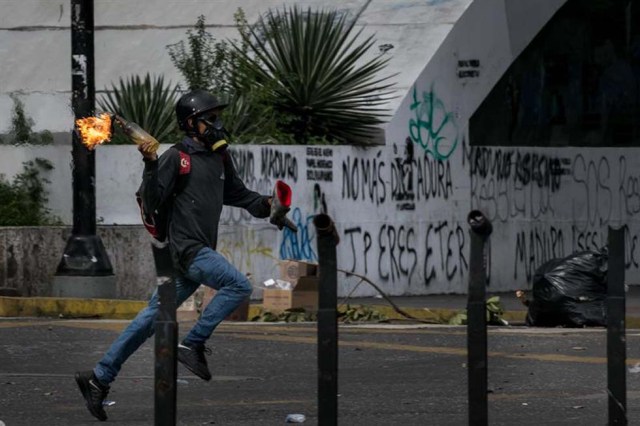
157 222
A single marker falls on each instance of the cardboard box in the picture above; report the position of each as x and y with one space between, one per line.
240 314
292 270
303 295
188 310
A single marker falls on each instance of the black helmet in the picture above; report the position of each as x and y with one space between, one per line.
193 103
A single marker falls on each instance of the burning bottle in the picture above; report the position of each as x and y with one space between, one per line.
136 133
94 130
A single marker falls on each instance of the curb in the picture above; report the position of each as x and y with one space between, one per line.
128 309
69 307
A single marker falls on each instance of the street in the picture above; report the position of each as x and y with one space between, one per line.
388 375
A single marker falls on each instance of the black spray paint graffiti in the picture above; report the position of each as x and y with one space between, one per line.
507 184
510 183
319 200
469 69
449 243
244 163
320 164
401 250
592 197
523 167
414 179
402 189
536 247
628 189
362 179
278 165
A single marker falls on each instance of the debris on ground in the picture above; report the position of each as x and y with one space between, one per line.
494 314
295 418
346 314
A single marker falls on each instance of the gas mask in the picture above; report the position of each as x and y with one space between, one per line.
214 135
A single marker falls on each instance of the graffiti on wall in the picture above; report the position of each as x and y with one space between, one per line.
414 179
401 212
320 164
432 126
406 253
245 247
552 204
468 69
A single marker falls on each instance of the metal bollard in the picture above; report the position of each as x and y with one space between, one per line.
480 230
166 369
327 321
616 341
166 342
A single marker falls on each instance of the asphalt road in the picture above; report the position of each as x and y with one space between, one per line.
263 372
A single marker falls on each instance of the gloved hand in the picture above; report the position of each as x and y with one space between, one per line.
280 206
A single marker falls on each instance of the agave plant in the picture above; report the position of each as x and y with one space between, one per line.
319 82
147 102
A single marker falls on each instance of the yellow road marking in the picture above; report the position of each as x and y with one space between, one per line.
233 331
436 349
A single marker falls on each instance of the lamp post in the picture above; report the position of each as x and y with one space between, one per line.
85 269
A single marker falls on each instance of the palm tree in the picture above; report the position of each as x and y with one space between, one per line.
318 82
147 102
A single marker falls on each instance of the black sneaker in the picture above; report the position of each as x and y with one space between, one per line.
193 358
94 393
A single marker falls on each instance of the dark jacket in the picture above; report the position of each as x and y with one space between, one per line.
196 207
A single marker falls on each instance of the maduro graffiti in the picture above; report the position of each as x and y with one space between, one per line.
535 247
433 127
278 164
546 242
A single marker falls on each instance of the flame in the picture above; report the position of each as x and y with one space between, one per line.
94 130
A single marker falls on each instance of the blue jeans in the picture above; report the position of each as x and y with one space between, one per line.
208 268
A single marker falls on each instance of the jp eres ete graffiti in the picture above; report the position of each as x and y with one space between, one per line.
432 126
433 253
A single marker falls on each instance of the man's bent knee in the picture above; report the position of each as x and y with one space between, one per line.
244 287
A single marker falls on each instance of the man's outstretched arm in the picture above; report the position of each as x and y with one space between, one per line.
236 194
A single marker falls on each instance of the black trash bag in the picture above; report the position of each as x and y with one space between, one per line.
570 292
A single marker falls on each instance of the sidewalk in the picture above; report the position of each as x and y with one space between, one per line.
446 305
434 308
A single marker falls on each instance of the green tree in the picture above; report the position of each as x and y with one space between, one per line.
23 201
21 131
317 79
202 60
147 101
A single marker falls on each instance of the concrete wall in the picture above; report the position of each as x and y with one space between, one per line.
401 216
401 208
131 38
29 257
